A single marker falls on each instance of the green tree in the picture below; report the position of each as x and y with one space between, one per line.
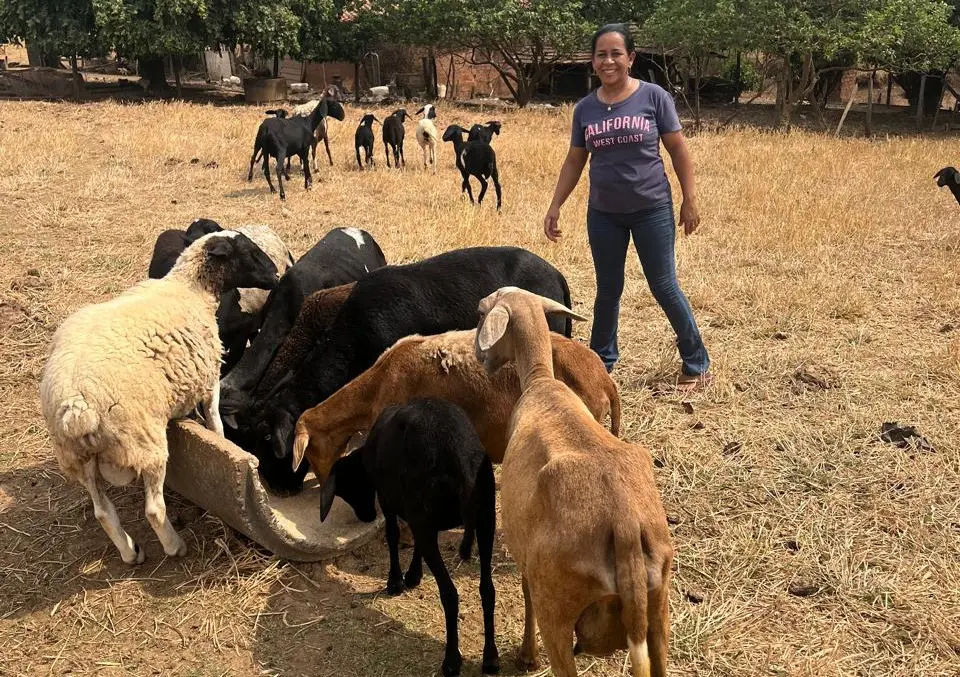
52 28
153 30
269 27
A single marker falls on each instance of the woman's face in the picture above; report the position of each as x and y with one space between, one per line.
611 61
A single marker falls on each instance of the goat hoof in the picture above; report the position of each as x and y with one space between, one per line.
491 665
412 580
395 587
180 551
526 664
451 665
138 555
466 552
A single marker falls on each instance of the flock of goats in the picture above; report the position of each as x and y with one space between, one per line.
285 135
447 365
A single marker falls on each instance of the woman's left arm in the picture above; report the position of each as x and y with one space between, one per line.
683 164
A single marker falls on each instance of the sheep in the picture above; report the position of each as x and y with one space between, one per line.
119 371
486 131
424 463
364 139
597 567
342 255
476 158
427 135
950 177
427 297
444 366
171 243
393 136
238 315
280 137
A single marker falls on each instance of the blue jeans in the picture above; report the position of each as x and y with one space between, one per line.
654 235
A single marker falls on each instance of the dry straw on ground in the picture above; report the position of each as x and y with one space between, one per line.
825 280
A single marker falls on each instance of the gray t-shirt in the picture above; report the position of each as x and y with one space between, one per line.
623 139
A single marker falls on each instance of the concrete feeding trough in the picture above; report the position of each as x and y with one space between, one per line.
222 478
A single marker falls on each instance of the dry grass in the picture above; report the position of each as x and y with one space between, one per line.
825 280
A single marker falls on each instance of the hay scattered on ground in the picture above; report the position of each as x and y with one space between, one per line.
825 281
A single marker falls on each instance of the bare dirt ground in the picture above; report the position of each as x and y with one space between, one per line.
825 280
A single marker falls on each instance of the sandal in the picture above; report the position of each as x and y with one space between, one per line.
689 383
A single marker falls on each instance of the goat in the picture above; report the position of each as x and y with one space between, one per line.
280 137
427 135
476 158
950 177
486 131
341 256
598 567
424 463
120 370
393 136
364 139
443 366
171 243
430 296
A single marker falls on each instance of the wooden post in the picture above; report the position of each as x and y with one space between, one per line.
868 123
923 88
889 87
853 95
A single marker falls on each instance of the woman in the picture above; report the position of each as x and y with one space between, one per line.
621 124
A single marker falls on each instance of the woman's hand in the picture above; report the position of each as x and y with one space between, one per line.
551 224
689 216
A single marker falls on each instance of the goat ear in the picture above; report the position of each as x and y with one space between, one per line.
220 247
493 328
551 307
327 494
300 443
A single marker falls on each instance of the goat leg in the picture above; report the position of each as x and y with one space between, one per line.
415 571
496 183
395 576
326 144
266 172
386 151
307 176
527 656
486 523
483 189
280 159
427 542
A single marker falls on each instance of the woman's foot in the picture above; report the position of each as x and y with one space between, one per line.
688 383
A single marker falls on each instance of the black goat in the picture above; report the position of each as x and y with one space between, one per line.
426 297
485 131
171 243
950 177
425 464
476 158
282 137
343 255
364 139
393 136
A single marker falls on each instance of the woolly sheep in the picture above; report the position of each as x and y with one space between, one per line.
119 371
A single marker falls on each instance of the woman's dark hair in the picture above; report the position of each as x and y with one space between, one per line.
613 28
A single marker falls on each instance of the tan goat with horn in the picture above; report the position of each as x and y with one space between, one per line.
582 515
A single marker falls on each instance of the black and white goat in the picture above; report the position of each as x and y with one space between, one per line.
427 135
363 138
393 133
282 137
476 158
425 464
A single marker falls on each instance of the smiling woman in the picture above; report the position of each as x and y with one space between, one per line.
621 125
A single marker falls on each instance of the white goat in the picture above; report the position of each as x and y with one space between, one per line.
427 136
582 515
119 371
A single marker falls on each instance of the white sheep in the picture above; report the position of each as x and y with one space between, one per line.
582 515
427 135
119 371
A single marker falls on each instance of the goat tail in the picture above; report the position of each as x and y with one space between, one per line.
631 579
615 411
77 420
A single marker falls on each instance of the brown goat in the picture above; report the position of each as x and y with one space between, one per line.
582 515
443 366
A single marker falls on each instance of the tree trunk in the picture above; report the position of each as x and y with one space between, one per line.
696 96
853 95
177 67
434 79
77 78
276 63
923 86
889 87
739 77
868 122
936 112
153 70
356 81
785 95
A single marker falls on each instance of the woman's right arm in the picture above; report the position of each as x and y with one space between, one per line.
569 177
